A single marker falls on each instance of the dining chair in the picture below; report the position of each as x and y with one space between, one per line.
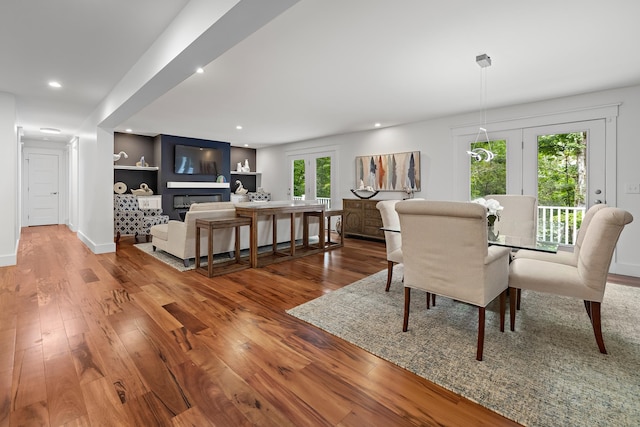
392 239
562 256
586 280
445 252
518 217
569 257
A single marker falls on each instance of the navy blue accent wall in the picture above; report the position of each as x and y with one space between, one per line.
166 145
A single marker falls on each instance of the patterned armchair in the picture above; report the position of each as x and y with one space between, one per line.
130 220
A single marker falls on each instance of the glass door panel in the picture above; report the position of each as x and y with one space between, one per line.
312 177
565 170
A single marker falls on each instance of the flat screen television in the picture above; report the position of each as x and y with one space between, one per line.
192 160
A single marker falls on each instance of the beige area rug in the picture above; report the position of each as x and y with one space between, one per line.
177 263
548 372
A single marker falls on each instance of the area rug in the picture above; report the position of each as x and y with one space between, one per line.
177 263
548 372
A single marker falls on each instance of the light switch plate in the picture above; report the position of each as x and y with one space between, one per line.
632 188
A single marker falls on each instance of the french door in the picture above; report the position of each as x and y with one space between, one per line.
562 165
312 177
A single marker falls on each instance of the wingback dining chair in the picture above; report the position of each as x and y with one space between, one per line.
565 257
518 217
586 280
445 252
392 239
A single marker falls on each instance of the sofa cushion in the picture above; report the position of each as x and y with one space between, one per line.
161 231
211 206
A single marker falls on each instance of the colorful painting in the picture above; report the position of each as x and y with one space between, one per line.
389 172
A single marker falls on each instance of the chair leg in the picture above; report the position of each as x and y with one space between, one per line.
433 300
117 237
186 262
597 325
587 306
503 298
407 302
389 274
512 307
428 300
519 295
481 313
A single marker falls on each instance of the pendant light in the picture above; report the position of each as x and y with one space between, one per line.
479 153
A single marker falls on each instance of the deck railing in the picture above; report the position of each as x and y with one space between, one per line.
323 200
559 224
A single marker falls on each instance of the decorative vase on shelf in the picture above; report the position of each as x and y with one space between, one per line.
246 167
239 167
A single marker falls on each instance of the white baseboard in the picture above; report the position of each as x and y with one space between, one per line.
102 248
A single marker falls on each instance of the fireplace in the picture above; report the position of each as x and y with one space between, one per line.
182 203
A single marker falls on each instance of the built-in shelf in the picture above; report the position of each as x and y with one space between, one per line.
196 184
245 173
136 168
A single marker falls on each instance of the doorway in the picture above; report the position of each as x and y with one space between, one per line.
43 187
312 177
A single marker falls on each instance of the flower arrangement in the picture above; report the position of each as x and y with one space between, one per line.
493 209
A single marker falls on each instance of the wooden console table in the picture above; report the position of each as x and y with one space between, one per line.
254 209
362 219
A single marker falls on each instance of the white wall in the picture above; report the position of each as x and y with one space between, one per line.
433 138
10 183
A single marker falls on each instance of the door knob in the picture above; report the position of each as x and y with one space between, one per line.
597 202
598 191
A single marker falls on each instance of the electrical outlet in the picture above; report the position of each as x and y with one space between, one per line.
632 189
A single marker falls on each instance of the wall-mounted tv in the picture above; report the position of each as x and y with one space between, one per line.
192 160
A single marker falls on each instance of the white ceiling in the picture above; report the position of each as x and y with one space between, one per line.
323 67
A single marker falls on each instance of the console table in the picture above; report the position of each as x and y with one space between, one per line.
362 219
254 209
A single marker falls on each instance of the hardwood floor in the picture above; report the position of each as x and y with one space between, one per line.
122 339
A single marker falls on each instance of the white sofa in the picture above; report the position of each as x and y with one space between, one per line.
178 238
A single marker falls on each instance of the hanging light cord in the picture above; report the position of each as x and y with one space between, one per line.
479 153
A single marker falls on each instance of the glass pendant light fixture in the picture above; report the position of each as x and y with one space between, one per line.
480 154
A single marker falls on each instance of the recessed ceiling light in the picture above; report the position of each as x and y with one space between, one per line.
199 70
246 145
239 127
55 84
50 130
377 125
128 130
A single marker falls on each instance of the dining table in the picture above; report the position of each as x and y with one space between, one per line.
514 242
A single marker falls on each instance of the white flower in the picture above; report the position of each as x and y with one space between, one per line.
492 205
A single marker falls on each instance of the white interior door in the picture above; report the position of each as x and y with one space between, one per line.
43 189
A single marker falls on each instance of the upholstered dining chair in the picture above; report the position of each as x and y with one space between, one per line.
445 252
518 217
586 280
393 239
567 256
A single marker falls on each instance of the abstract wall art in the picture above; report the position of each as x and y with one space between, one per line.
389 172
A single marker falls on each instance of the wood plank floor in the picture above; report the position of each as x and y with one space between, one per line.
123 340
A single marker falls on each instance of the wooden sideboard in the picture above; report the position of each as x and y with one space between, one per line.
362 219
